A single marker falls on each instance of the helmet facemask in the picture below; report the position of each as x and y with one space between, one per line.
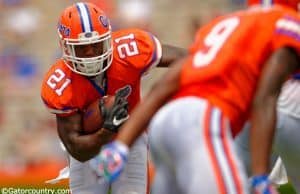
89 65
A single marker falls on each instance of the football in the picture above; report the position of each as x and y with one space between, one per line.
92 118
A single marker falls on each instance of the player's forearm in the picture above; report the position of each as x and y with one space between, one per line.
278 67
170 54
261 134
85 147
138 122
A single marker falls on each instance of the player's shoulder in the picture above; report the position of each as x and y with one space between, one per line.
145 41
55 90
287 30
285 10
286 14
57 69
283 25
58 64
136 47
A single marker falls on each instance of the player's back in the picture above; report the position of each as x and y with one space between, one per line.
229 54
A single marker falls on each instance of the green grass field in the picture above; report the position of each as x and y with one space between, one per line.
287 189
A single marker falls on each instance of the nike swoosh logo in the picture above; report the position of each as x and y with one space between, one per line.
118 122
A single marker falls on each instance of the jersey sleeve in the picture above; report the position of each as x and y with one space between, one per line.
65 111
287 32
56 94
139 48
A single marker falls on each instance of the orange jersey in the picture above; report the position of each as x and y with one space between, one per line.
228 56
135 51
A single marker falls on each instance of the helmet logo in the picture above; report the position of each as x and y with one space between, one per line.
104 20
65 31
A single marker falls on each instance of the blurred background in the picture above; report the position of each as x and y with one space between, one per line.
30 152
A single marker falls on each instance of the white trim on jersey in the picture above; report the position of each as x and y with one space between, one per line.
158 52
158 49
56 111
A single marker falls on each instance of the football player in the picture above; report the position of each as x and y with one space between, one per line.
234 73
286 138
97 62
287 135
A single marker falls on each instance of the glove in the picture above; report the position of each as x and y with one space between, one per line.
111 161
262 185
115 116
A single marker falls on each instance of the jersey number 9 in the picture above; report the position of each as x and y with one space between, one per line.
214 41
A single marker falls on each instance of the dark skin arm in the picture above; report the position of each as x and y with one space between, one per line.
171 54
81 146
158 96
280 65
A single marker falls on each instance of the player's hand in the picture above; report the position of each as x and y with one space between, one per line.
262 185
110 162
116 115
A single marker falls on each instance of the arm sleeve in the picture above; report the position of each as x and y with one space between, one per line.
156 56
148 50
287 33
61 105
58 111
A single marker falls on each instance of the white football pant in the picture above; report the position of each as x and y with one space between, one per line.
192 150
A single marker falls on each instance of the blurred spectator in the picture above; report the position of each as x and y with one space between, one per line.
20 21
18 68
10 2
28 135
23 20
135 13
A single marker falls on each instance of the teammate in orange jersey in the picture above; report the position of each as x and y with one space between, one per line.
98 62
235 69
287 135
